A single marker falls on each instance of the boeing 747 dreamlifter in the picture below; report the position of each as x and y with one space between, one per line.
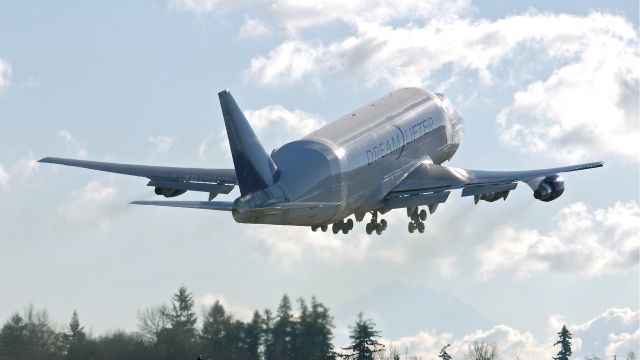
385 155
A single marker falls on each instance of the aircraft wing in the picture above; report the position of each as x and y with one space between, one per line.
194 179
430 184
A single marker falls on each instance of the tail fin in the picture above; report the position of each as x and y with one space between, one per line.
254 168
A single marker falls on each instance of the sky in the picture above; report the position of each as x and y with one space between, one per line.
539 84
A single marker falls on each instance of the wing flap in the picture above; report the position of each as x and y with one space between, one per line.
489 188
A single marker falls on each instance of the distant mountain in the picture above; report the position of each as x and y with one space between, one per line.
404 311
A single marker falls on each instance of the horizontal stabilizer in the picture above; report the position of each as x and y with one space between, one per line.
299 205
208 205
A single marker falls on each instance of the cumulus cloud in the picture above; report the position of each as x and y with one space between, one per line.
584 241
27 165
274 125
5 74
293 15
90 205
238 311
74 146
290 247
254 28
161 145
4 177
615 332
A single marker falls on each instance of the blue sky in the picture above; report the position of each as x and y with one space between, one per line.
539 84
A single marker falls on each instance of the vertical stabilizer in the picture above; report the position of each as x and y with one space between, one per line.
254 168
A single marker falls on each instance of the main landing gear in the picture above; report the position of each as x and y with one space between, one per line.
417 219
376 226
342 225
322 227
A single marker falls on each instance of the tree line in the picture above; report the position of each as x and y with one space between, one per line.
172 332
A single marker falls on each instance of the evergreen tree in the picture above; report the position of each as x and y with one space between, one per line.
268 342
178 340
252 334
284 331
364 344
14 338
75 339
316 331
443 353
214 331
565 344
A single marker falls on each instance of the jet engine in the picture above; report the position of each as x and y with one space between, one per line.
168 192
550 188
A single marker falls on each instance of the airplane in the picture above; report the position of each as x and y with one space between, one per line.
385 155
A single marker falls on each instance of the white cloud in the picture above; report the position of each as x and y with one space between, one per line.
5 74
294 15
584 109
27 165
75 147
584 241
615 332
290 247
240 312
274 125
254 28
588 105
90 205
161 145
4 177
447 267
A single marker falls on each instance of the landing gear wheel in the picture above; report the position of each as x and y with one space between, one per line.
383 223
324 228
378 230
412 227
314 228
349 224
423 214
369 228
345 229
335 228
421 227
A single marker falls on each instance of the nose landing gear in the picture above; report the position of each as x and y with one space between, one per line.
376 226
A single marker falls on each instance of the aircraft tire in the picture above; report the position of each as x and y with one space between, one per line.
421 227
412 227
423 214
345 230
369 228
383 223
314 228
379 230
324 228
335 228
349 224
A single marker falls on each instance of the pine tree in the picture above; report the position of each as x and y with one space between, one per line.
364 344
214 331
565 344
252 334
284 331
75 339
268 342
14 338
178 340
443 353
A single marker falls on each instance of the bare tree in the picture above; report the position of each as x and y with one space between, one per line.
481 351
151 321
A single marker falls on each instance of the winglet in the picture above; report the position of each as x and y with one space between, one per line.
254 168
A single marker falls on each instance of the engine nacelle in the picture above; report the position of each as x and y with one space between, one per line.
168 192
550 188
